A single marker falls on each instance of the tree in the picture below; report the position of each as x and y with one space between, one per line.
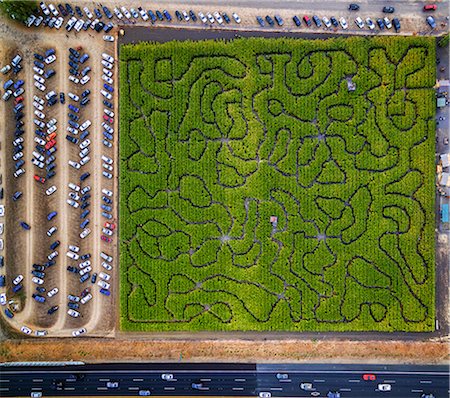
443 41
18 10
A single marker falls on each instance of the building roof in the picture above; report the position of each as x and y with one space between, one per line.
444 212
441 102
445 159
445 179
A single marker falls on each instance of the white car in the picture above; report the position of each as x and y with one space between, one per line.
107 192
17 156
84 153
107 72
125 12
75 165
202 17
107 175
79 25
108 112
143 14
75 187
306 386
85 233
53 10
370 24
17 279
359 22
73 256
40 333
51 122
107 167
105 277
39 100
108 58
87 12
74 97
384 387
85 79
85 160
50 59
39 86
84 264
51 190
85 125
106 64
236 17
118 13
107 231
37 280
167 376
39 114
59 22
210 17
103 284
38 70
72 130
26 330
79 332
344 23
107 79
38 156
39 79
218 17
39 140
52 255
85 143
73 313
93 23
387 23
1 228
37 163
38 106
50 95
19 172
326 22
106 266
74 196
3 299
74 79
107 95
186 16
86 298
108 38
72 203
74 248
264 394
51 231
85 270
51 129
53 292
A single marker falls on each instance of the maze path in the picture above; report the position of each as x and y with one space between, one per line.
217 137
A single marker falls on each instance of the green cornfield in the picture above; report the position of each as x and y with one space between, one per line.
277 185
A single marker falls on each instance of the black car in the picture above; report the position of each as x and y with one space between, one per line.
97 13
40 289
108 104
107 12
78 11
94 278
353 7
69 9
49 264
84 205
108 27
86 256
159 15
72 269
270 20
84 101
74 52
193 16
178 15
396 24
380 23
167 15
388 9
62 10
316 20
38 274
225 17
53 309
296 20
38 267
62 98
99 27
84 176
39 57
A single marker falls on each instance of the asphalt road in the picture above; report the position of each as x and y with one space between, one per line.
223 380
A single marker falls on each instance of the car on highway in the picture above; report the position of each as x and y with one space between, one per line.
263 394
384 387
306 386
112 384
282 376
167 376
369 377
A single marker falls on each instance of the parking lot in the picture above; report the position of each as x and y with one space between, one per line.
35 201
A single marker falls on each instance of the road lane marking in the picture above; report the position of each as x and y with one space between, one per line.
36 388
276 388
169 388
319 381
416 390
4 388
345 389
238 388
133 388
104 379
286 381
425 381
102 388
4 381
205 379
240 380
38 380
138 379
69 388
354 381
390 381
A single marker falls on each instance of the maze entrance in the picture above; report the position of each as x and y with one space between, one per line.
277 184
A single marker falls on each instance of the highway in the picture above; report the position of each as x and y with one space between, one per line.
223 380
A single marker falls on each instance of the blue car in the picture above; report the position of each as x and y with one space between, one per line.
2 280
8 313
260 21
18 84
159 15
17 288
108 87
105 292
167 15
74 108
52 215
24 225
152 16
84 278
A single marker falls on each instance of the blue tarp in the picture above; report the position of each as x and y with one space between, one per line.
444 213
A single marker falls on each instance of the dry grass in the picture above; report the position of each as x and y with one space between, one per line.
93 350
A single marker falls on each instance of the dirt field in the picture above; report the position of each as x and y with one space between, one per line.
226 351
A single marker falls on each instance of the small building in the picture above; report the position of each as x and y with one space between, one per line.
441 102
351 86
444 213
445 179
445 160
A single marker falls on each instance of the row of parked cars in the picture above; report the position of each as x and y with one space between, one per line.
331 22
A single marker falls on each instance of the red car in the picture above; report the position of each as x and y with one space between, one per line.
430 7
51 136
50 144
307 20
106 239
85 291
39 179
110 225
369 377
19 99
108 119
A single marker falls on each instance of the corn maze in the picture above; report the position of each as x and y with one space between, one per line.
277 185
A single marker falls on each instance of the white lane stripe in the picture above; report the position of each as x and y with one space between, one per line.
4 381
104 379
69 388
390 381
425 381
138 379
276 388
133 388
319 381
345 389
4 389
416 390
354 381
169 388
38 380
101 388
286 381
205 379
239 379
238 388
